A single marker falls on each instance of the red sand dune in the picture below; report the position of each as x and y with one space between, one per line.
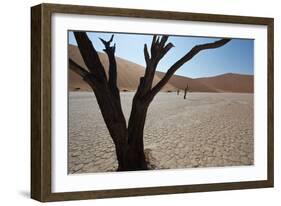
222 83
129 74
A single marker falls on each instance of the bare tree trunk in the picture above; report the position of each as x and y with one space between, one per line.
185 91
128 140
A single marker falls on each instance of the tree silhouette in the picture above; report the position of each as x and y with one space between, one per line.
128 139
185 91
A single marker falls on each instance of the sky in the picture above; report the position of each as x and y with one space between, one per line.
237 56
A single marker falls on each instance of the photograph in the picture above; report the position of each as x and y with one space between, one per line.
134 102
151 101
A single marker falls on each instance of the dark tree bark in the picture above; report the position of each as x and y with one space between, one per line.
185 91
128 140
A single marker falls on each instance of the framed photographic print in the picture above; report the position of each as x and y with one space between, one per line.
130 102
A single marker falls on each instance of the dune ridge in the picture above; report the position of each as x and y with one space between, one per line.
229 82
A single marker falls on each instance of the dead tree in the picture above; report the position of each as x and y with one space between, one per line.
128 139
185 91
178 92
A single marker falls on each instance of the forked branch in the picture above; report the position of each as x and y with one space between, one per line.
158 49
195 50
110 51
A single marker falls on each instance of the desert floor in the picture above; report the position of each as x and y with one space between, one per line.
205 130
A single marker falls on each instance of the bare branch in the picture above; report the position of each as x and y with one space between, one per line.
90 56
163 40
157 40
154 40
195 50
108 48
112 80
146 54
165 50
87 76
77 68
111 39
168 47
158 50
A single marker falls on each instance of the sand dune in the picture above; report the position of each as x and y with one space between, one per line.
223 83
129 74
230 83
181 82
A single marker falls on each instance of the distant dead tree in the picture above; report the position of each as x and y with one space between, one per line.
128 139
178 92
185 91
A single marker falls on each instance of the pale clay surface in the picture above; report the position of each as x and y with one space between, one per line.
205 130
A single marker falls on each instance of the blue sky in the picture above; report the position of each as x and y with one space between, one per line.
237 56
